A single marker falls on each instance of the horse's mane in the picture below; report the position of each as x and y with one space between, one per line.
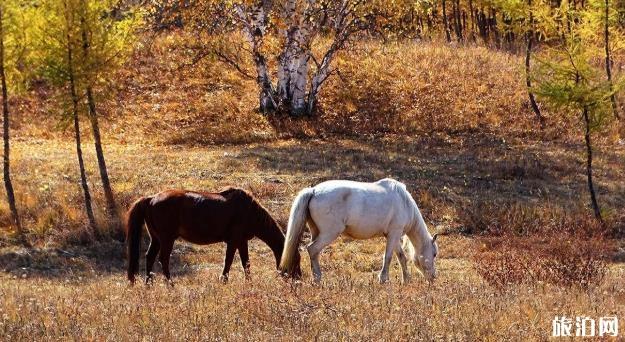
403 193
410 204
250 200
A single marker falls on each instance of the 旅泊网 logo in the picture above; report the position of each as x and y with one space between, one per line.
583 326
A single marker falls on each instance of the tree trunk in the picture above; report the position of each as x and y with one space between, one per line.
482 22
106 183
457 20
95 129
591 188
529 36
255 23
298 82
298 77
81 163
472 26
295 58
608 60
447 35
5 125
494 29
287 31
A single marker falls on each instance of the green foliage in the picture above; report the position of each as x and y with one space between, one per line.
98 39
19 18
568 74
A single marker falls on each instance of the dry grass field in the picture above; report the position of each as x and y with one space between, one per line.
457 130
64 289
95 303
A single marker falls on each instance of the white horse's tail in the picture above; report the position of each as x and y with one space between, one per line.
297 221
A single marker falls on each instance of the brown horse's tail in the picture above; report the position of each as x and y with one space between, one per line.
134 228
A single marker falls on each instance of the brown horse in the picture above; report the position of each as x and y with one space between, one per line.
232 216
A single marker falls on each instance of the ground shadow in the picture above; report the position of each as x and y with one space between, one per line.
465 168
82 261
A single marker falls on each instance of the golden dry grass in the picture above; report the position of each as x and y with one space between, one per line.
523 184
61 290
93 304
407 88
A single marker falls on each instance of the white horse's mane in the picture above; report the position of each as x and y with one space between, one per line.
418 222
403 193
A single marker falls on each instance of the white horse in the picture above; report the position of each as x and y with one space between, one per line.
361 211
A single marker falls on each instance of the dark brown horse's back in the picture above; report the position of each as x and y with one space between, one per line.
197 217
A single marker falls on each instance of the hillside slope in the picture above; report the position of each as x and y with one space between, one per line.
380 89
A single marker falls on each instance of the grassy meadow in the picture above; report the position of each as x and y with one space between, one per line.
467 147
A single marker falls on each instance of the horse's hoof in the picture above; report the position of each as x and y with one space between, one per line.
383 280
223 278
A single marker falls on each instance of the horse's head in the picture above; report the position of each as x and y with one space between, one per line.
425 260
295 270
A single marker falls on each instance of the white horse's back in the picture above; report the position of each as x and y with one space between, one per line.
359 210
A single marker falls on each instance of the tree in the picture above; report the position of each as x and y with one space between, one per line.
522 22
529 37
60 50
568 79
294 25
603 31
84 44
14 54
5 125
608 59
105 42
445 24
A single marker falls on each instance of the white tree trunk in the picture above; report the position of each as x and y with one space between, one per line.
254 21
299 69
295 92
294 59
285 58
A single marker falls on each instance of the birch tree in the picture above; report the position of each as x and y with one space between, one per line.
296 25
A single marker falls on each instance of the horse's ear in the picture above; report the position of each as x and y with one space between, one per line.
434 237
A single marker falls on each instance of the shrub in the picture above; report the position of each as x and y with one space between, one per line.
579 263
500 218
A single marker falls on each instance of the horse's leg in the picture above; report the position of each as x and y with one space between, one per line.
230 250
314 230
403 261
150 257
392 240
245 259
315 248
165 253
